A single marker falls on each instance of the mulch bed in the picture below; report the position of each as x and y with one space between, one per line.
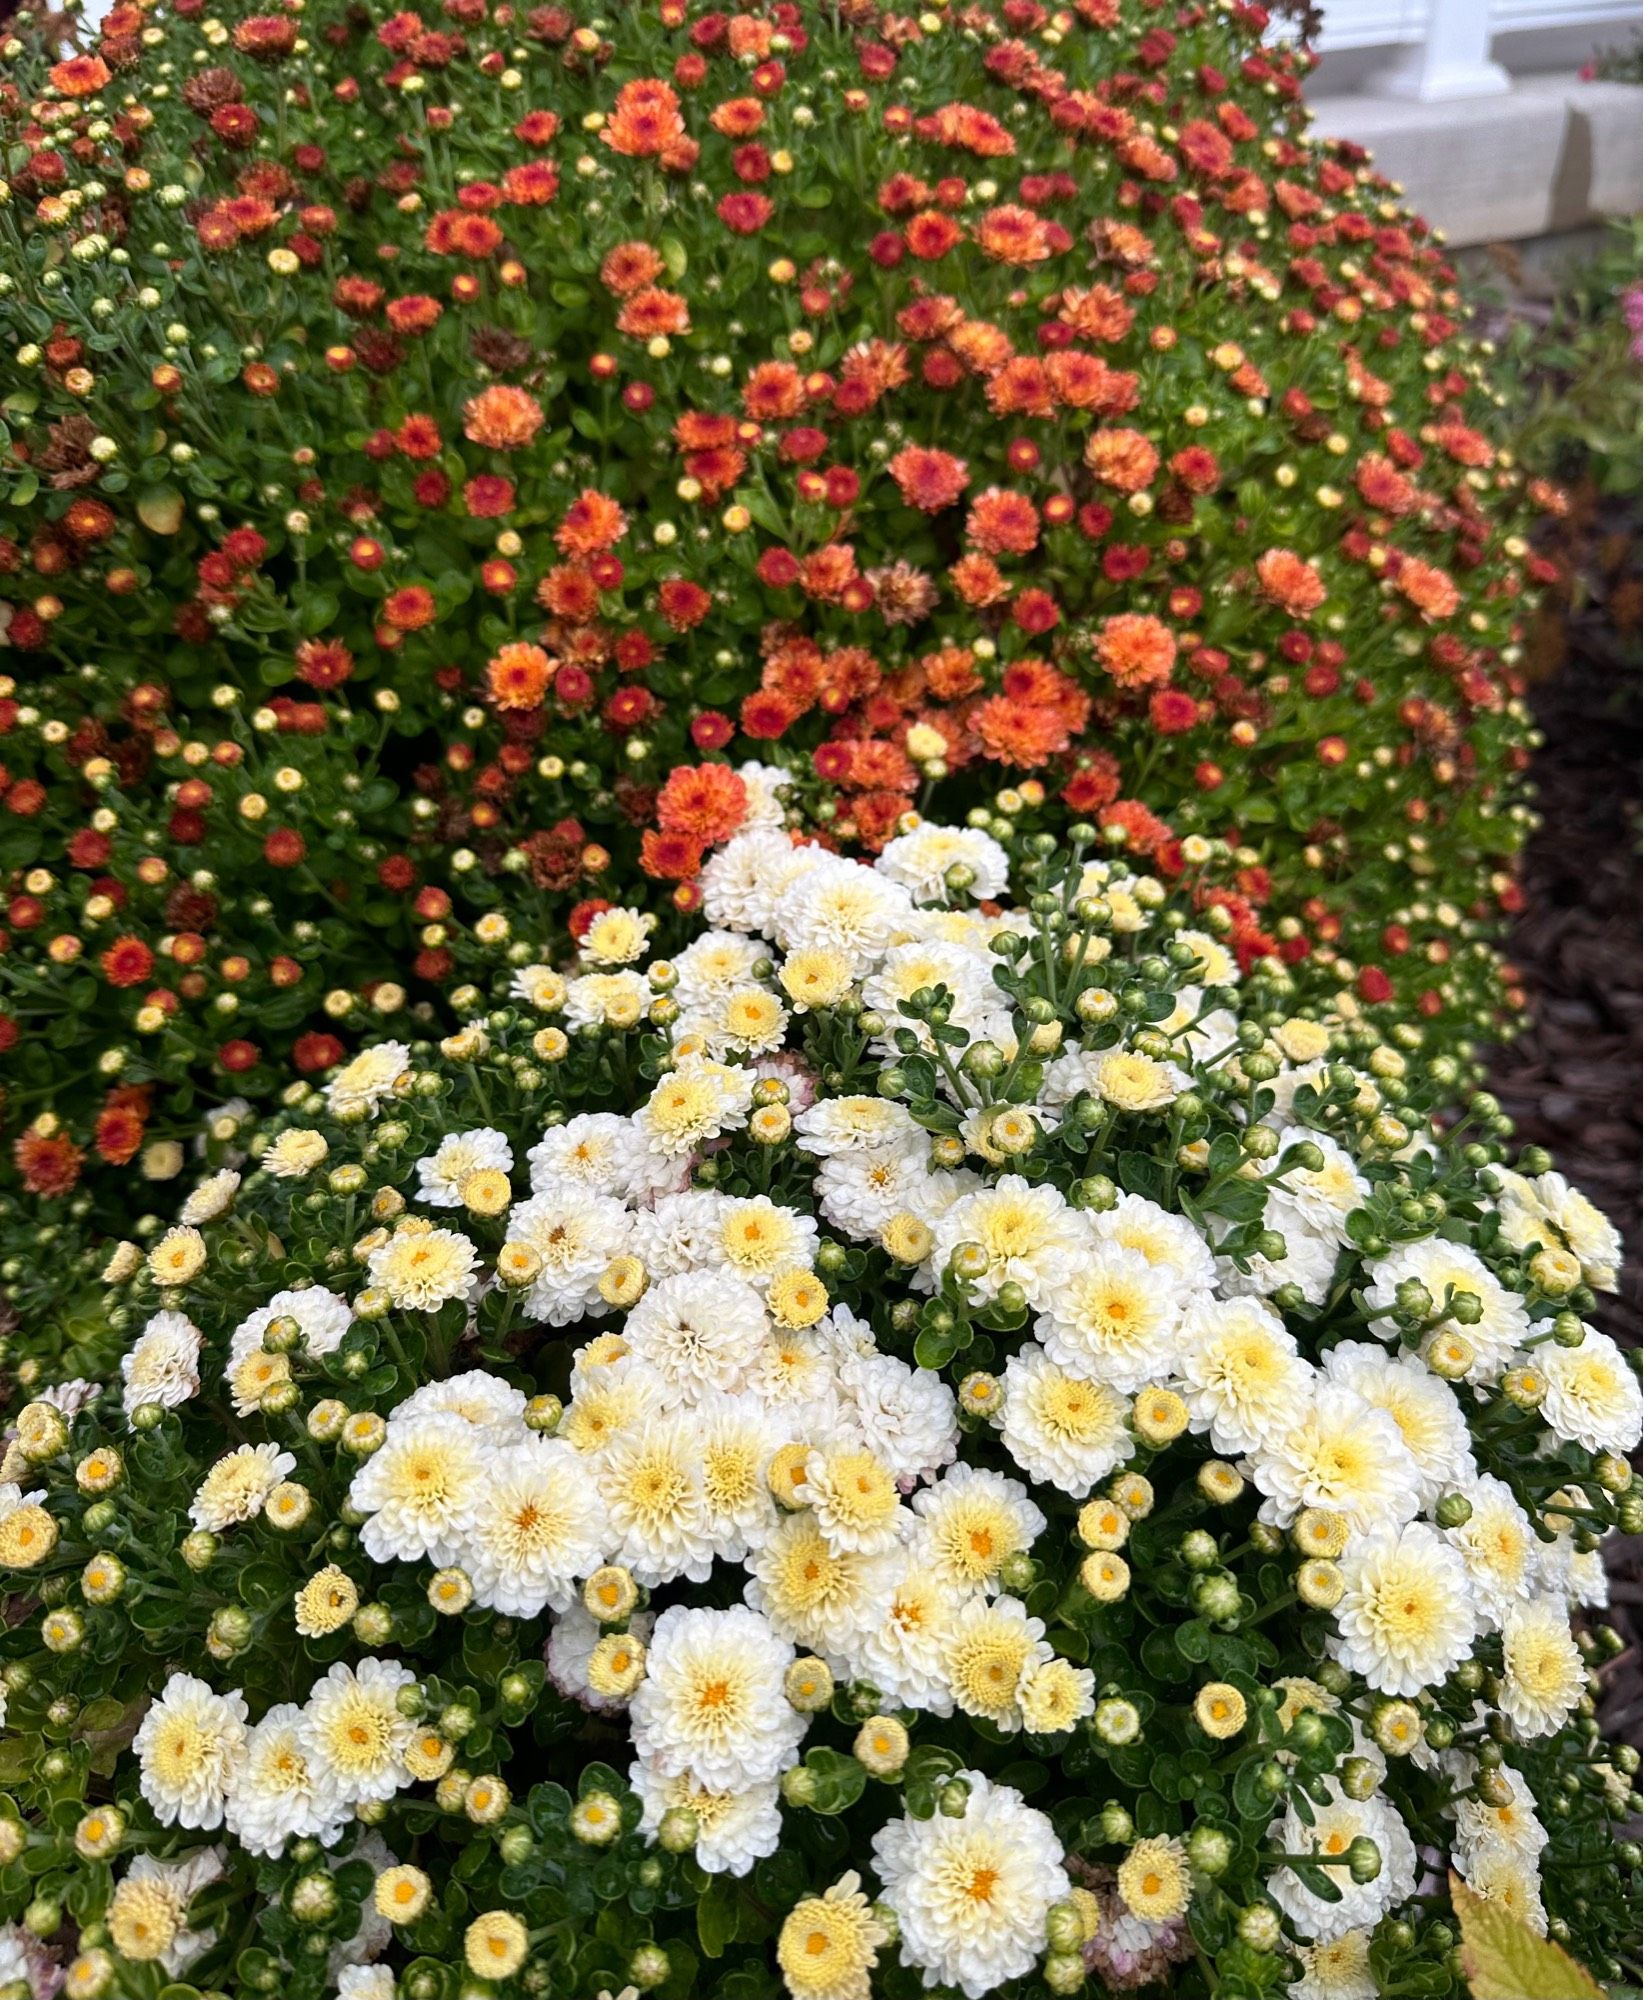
1573 1080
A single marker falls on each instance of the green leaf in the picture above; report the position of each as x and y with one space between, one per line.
1504 1959
716 1916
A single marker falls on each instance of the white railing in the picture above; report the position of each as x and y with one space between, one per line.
1443 48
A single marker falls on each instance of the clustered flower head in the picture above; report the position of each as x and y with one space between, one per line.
444 450
940 1434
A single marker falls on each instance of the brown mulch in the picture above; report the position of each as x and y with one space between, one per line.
1573 1080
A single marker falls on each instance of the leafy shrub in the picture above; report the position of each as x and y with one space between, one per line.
427 443
904 1441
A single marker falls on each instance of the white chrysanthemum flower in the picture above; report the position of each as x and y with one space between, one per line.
699 1331
163 1364
903 1653
1336 1970
1499 1547
859 1192
1547 1210
1592 1397
617 936
576 1235
921 859
1308 1263
713 1702
190 1747
973 1895
422 1269
697 1101
353 1733
606 1000
322 1319
1029 1236
758 1239
992 1645
677 1232
420 1488
602 1412
767 786
907 1415
843 906
571 1642
1114 1318
294 1153
211 1198
1130 1081
1239 1372
711 968
972 1520
238 1484
1406 1617
601 1152
278 1795
480 1398
1328 1832
820 1598
924 966
443 1174
151 1902
535 1529
743 881
739 1436
538 986
734 1829
1500 1876
1344 1456
651 1481
835 1125
1449 1269
1424 1407
361 1085
797 1378
855 1500
1513 1827
1064 1429
1169 1242
365 1982
1542 1675
1323 1197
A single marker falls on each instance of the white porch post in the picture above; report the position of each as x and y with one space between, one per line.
1451 58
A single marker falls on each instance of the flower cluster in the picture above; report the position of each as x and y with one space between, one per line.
440 451
939 1435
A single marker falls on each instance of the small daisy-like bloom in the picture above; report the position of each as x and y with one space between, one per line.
1219 1709
822 1598
295 1153
1592 1397
1542 1675
1062 1428
1513 1825
1112 1319
700 1331
757 1238
1154 1881
1406 1618
1054 1696
901 1653
502 417
1547 1208
972 1896
795 1298
855 1500
422 1268
650 1477
694 1103
1343 1455
991 1645
164 1365
326 1602
1424 1407
420 1489
972 1521
401 1893
238 1484
535 1529
148 1913
1239 1373
1336 1970
361 1085
190 1747
495 1944
442 1176
1499 1548
1328 1832
353 1733
1027 1235
713 1702
616 1666
829 1944
28 1534
179 1256
277 1795
211 1198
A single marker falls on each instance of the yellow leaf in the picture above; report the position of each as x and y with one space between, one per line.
161 510
1505 1960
